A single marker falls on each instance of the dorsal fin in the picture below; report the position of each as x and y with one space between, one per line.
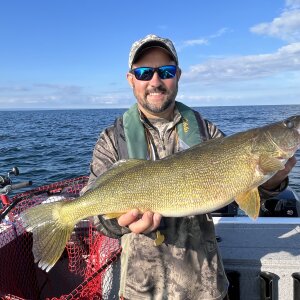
117 168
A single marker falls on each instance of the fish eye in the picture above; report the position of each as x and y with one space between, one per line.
289 124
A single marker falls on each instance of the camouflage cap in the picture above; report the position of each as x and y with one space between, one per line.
149 41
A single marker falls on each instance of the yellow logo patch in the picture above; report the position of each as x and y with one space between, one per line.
185 125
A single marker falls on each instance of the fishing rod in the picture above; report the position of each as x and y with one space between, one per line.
7 186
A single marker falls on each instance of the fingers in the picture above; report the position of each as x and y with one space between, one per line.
128 218
145 223
290 164
274 181
155 223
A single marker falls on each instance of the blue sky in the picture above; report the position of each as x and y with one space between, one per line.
73 54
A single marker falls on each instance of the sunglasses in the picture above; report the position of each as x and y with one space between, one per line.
146 73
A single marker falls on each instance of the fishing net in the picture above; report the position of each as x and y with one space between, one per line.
84 271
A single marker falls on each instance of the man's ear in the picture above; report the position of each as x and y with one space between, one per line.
130 79
178 73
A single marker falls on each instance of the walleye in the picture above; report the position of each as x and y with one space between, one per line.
199 180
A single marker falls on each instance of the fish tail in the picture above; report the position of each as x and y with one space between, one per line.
50 231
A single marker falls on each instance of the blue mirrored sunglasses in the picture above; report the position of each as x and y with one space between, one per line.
146 73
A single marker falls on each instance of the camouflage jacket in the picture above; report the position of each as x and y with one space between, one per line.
188 264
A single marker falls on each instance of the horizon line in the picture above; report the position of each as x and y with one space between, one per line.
96 108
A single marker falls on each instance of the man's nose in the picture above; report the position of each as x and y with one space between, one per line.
155 80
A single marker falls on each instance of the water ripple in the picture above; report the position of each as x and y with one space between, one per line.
49 146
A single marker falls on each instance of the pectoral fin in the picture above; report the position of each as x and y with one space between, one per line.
270 164
159 238
249 202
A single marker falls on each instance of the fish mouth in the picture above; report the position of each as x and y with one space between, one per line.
287 152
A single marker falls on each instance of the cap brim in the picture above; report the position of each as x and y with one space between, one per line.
149 45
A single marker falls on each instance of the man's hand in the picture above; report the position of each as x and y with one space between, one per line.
275 181
137 223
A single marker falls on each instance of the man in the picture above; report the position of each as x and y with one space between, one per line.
187 265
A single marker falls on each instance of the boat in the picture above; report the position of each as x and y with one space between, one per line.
261 258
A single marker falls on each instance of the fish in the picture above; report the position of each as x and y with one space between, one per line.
199 180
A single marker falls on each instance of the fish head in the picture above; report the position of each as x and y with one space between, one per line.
279 140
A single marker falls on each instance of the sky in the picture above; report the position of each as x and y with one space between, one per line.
57 54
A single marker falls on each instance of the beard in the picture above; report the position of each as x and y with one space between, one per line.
155 108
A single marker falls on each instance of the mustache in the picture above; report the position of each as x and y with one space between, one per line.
157 90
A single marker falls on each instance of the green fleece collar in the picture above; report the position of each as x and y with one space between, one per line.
187 128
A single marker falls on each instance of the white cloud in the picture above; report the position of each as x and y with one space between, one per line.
13 89
68 89
195 42
201 41
293 3
116 99
284 59
48 95
285 27
219 33
197 98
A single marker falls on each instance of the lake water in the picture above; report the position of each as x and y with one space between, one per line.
52 145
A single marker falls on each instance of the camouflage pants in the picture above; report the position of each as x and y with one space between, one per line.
226 298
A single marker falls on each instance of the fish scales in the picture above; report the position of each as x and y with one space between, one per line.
193 182
201 179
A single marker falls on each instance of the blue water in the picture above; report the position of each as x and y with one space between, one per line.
53 145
